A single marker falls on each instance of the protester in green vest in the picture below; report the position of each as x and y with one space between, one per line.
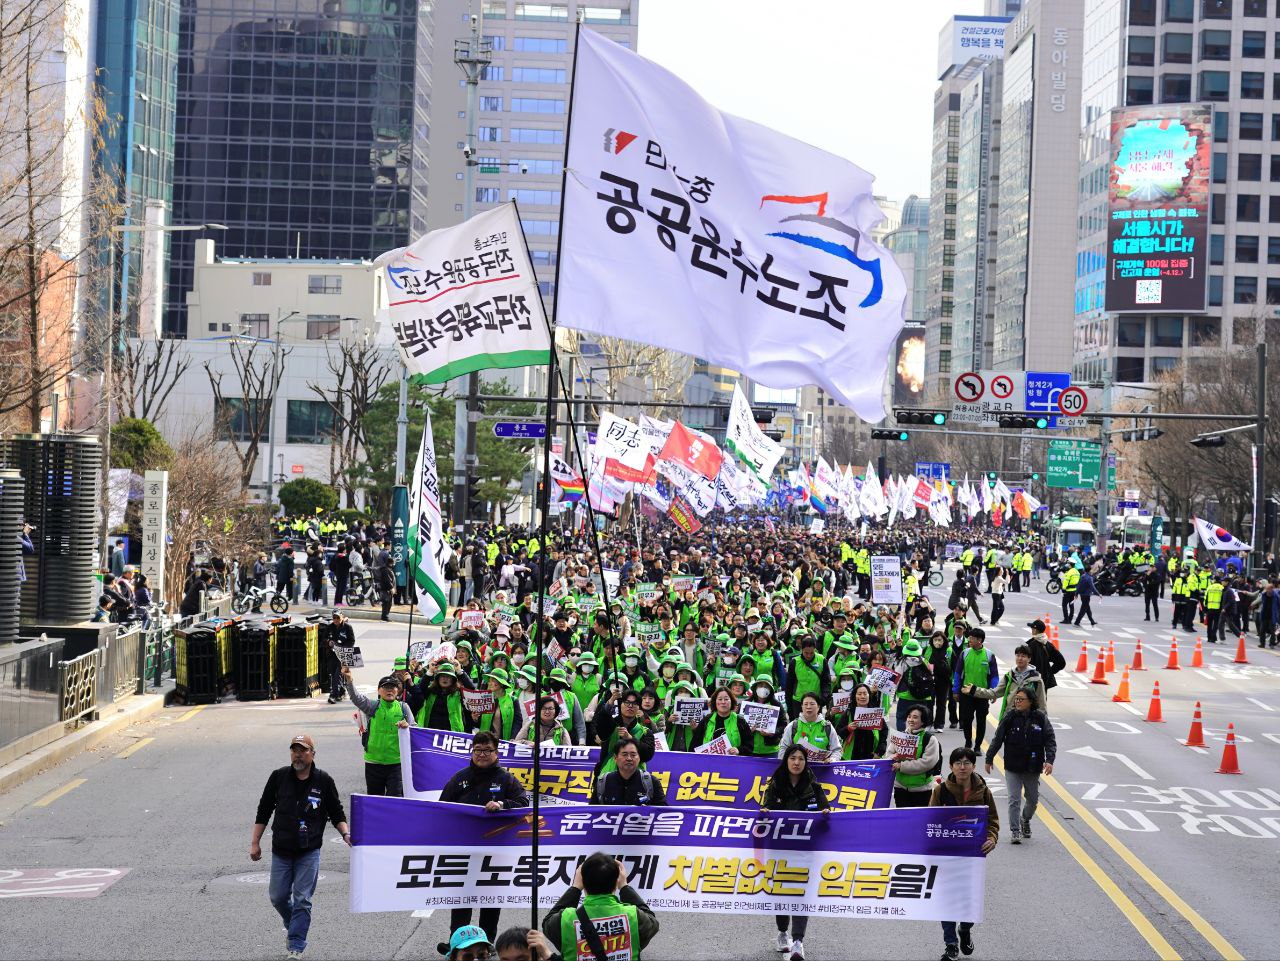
631 924
586 684
724 719
810 729
574 722
975 667
385 716
504 720
545 726
806 674
439 701
914 773
620 718
861 743
765 744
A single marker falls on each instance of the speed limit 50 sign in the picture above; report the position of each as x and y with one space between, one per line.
1077 401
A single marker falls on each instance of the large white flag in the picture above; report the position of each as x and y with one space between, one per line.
428 550
745 438
465 298
1214 538
701 232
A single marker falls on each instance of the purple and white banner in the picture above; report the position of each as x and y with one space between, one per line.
428 758
909 864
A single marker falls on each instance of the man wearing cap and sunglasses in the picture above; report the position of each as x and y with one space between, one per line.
386 714
302 797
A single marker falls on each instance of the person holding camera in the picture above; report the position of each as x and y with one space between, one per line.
611 908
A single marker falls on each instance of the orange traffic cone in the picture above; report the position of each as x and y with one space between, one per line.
1241 657
1173 656
1197 656
1137 658
1122 696
1230 763
1111 657
1054 638
1082 665
1100 669
1154 714
1196 737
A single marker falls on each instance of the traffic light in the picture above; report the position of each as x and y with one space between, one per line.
763 415
991 475
1022 421
1209 440
915 415
879 433
1035 477
774 435
475 503
1141 434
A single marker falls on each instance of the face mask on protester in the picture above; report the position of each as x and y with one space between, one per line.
588 669
522 683
846 685
762 691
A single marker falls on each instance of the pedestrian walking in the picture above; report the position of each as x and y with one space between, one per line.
381 738
297 801
964 787
793 788
1152 587
599 892
999 582
975 667
341 635
1086 592
1030 747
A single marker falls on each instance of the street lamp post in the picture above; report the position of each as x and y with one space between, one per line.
271 417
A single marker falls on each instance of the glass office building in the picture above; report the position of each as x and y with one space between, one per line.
295 129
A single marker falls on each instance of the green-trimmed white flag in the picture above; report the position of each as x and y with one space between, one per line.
428 550
465 298
757 452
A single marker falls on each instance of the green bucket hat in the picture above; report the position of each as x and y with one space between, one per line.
501 676
912 648
446 668
846 642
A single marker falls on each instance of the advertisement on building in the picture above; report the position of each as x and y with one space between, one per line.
1158 226
908 367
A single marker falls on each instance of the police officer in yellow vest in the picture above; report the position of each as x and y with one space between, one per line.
1181 597
611 921
1070 584
862 564
966 558
1213 592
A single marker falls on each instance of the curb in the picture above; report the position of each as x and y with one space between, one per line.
136 708
359 614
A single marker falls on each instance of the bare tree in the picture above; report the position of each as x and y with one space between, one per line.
662 372
359 370
245 419
148 375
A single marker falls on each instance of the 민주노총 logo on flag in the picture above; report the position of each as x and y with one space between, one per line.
705 233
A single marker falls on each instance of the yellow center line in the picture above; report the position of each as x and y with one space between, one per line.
190 714
52 796
135 746
1206 930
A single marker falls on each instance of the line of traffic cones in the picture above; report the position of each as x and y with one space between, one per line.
1197 656
1100 669
1172 665
1230 763
1122 696
1154 713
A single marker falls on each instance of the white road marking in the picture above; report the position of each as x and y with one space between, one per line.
1265 707
423 913
1132 710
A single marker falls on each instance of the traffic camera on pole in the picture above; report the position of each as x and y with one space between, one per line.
916 415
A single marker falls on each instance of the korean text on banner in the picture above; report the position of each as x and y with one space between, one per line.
744 437
911 864
429 552
886 580
465 298
705 233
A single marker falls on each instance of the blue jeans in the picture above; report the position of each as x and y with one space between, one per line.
949 935
293 882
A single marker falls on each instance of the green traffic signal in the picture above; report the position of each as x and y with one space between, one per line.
903 435
1035 477
1042 423
939 418
991 475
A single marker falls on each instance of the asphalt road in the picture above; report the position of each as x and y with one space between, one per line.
1144 851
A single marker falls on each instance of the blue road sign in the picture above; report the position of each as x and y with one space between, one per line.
519 430
1042 393
933 470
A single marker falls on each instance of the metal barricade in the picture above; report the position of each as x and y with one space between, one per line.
79 681
125 658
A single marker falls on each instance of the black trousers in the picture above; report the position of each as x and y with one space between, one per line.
383 780
1068 603
1213 629
1015 582
386 605
973 715
1152 606
997 608
1086 610
902 798
461 917
799 924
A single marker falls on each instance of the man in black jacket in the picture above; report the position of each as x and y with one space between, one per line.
628 785
482 782
1045 658
302 797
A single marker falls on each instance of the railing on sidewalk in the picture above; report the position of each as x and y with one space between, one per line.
80 682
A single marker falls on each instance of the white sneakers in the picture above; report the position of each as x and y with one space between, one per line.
784 942
797 951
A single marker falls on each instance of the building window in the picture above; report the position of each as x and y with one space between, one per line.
542 11
944 335
1179 11
1221 126
537 105
944 362
1142 51
1139 90
493 73
536 135
1248 207
1129 370
497 42
1249 166
546 288
1215 85
1142 13
1245 290
1273 210
1273 290
491 103
1215 9
542 258
1273 250
488 195
1177 48
308 422
1217 247
543 228
524 195
1166 331
1275 121
537 75
1253 85
489 134
1218 209
1131 332
323 326
1253 43
1215 290
1255 8
1215 45
255 325
261 278
1275 167
324 284
540 45
537 165
496 9
233 422
1163 365
1175 88
1219 168
1206 332
1251 126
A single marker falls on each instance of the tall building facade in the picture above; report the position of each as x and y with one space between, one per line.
1220 52
944 179
1039 171
295 129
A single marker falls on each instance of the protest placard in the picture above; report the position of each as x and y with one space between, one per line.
507 614
711 648
690 710
471 620
444 651
759 717
555 653
419 651
886 580
683 583
840 701
531 705
868 717
549 604
479 702
719 745
348 656
882 679
648 633
903 745
647 592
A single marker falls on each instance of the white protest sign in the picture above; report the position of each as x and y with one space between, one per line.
868 717
648 633
442 652
555 653
720 745
478 702
840 701
532 704
886 580
507 614
471 620
348 656
690 710
903 745
647 592
660 741
882 679
683 583
759 717
419 651
549 604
